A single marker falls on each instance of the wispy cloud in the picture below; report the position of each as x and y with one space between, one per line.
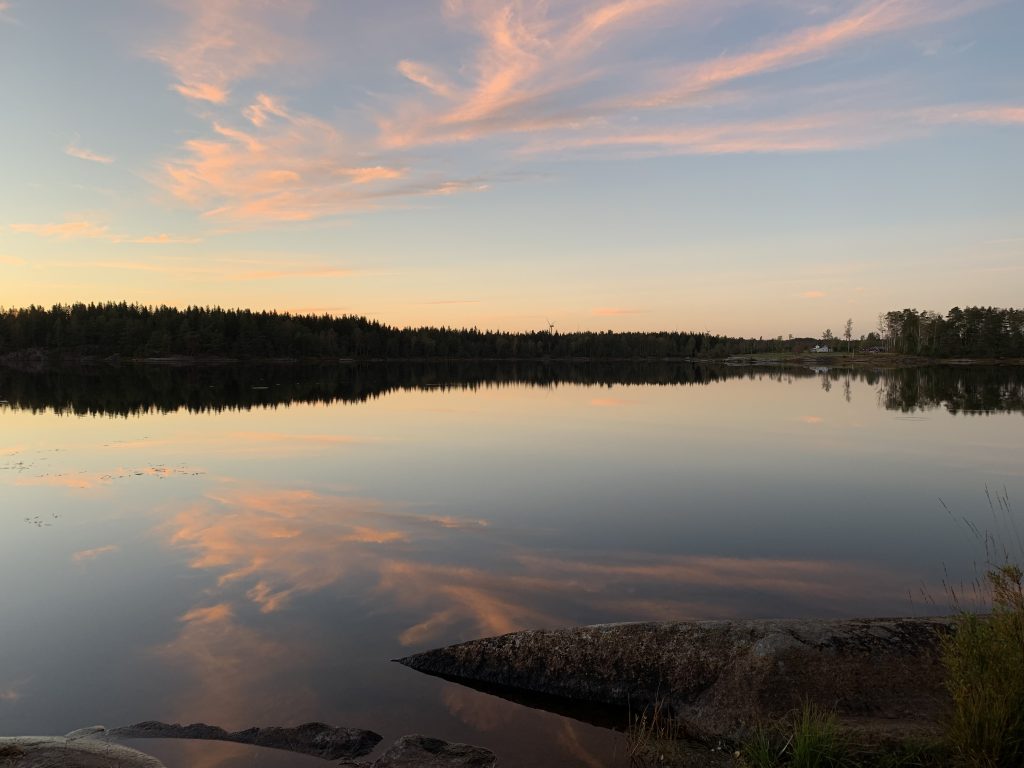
813 294
83 229
92 554
534 68
223 41
290 166
86 154
615 312
867 19
527 60
548 71
224 272
609 402
68 230
550 78
162 239
992 114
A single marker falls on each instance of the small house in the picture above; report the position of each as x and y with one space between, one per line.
820 348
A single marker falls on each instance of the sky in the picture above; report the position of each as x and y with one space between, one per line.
745 167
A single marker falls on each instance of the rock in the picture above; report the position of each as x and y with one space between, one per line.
417 751
317 739
716 679
84 733
79 752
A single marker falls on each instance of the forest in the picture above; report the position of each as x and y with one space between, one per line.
970 332
135 389
133 331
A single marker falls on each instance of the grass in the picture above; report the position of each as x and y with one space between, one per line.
985 676
984 664
984 658
654 738
812 740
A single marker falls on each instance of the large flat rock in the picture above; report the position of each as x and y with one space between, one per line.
70 752
416 751
716 679
317 739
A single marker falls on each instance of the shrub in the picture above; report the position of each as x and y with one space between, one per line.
984 662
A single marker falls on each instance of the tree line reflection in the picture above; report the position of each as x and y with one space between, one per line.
135 389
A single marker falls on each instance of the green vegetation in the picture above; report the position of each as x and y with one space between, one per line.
970 332
984 659
985 663
813 740
135 331
654 738
130 389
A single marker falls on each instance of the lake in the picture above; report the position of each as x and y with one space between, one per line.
253 545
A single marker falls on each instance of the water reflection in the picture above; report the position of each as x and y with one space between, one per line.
215 557
268 547
134 389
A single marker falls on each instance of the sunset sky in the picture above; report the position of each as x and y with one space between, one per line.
750 167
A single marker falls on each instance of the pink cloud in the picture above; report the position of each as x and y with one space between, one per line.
225 273
287 169
869 18
81 153
162 239
526 54
223 41
68 230
92 554
534 63
813 294
90 230
987 114
426 76
609 402
260 111
201 92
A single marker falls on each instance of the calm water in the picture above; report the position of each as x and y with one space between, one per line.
251 546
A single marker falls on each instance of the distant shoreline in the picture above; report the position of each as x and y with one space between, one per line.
39 358
863 360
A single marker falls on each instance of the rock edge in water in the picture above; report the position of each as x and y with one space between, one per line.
89 747
717 679
75 750
416 751
317 739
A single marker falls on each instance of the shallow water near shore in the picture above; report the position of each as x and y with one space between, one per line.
251 546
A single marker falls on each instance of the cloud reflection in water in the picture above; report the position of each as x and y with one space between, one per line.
280 544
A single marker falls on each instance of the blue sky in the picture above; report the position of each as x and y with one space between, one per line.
755 168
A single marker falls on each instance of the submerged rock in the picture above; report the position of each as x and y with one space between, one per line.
317 739
716 679
417 751
71 751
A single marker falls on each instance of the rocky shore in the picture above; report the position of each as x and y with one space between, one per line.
92 747
717 679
